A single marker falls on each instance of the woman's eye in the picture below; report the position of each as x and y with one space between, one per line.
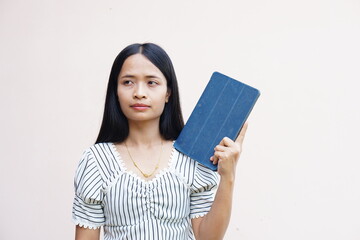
152 83
127 82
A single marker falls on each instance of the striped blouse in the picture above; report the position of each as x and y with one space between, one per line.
128 207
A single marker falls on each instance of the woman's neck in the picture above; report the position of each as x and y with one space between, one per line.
144 133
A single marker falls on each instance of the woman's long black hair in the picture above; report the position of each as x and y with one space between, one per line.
115 127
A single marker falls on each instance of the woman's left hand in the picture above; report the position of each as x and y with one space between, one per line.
227 154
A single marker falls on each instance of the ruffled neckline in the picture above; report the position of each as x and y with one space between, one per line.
157 176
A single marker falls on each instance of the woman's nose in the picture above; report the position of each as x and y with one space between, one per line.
140 91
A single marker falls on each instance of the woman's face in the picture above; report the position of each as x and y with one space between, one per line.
142 89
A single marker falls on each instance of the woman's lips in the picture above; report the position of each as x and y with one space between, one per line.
140 106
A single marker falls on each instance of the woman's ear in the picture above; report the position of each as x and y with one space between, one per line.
168 93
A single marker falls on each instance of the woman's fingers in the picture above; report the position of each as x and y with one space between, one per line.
227 148
227 153
217 156
223 146
220 148
226 142
241 136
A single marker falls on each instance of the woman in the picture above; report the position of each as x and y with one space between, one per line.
132 181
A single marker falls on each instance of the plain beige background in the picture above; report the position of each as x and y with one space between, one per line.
298 177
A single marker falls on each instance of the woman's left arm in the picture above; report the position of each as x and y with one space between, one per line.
214 224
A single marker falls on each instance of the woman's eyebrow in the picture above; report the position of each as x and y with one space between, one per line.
127 76
133 76
152 76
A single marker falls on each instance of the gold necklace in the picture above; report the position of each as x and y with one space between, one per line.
146 175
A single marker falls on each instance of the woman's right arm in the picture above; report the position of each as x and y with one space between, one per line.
88 213
86 233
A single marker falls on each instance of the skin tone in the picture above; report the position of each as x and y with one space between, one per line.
143 93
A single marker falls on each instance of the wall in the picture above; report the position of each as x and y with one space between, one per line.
298 177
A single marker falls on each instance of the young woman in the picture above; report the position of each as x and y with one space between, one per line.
132 181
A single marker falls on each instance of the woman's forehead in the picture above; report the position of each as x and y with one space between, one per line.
139 65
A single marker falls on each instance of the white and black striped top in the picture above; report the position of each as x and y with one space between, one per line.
128 207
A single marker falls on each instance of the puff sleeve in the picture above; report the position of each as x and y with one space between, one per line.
87 210
203 191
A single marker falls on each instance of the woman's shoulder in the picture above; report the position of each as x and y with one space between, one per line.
104 155
191 169
182 162
104 147
101 144
186 163
97 148
185 166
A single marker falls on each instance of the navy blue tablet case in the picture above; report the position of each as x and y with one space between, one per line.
220 112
